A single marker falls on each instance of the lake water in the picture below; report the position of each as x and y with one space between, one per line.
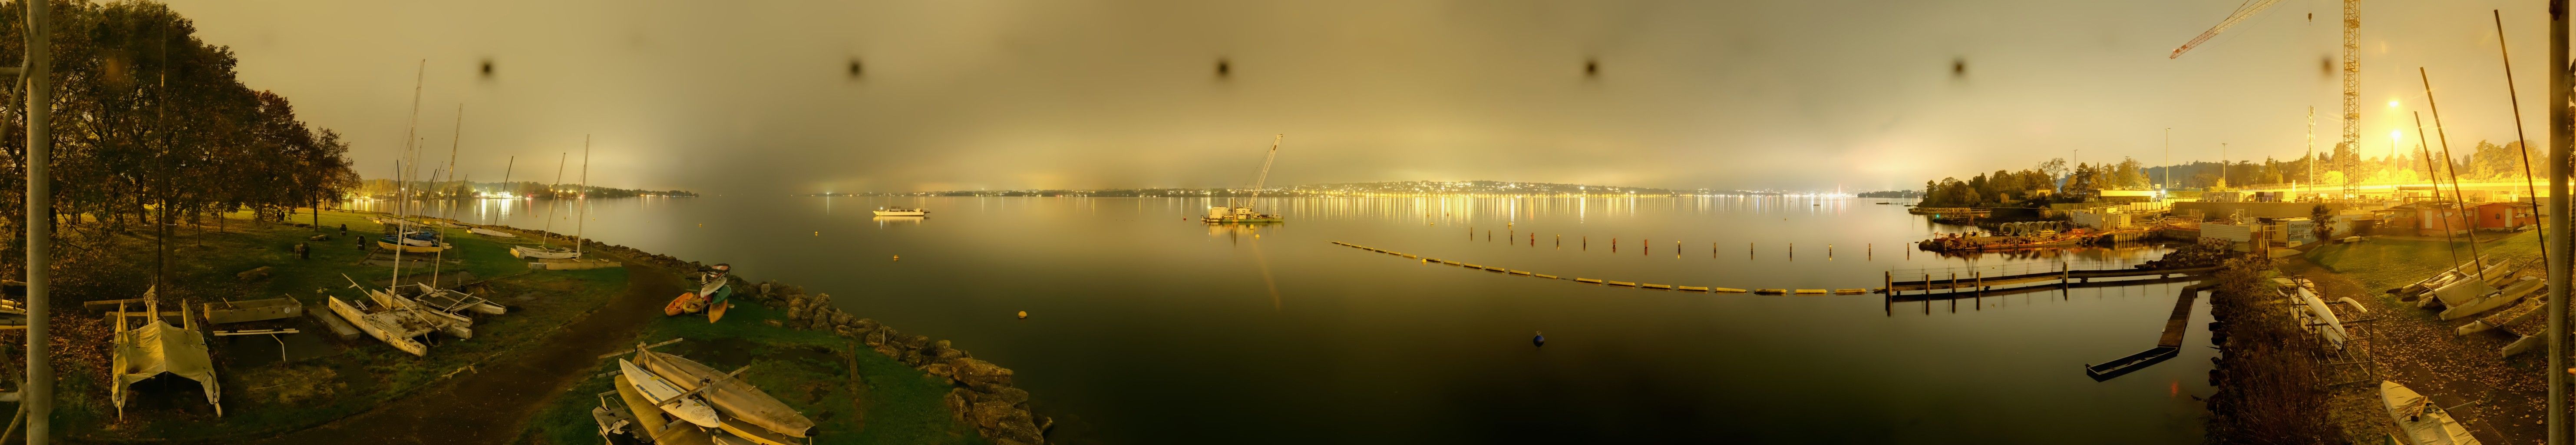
1146 326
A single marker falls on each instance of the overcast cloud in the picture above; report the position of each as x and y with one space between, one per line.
755 97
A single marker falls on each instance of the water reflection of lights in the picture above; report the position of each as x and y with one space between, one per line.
884 221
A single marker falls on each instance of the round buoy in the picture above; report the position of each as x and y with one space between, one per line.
818 233
1539 340
1024 314
898 257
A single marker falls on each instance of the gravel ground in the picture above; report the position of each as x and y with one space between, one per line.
2413 347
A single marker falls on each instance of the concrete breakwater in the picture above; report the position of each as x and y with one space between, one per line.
982 394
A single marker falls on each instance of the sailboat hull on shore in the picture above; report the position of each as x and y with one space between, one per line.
542 253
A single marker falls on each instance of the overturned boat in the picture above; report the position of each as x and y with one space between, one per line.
157 348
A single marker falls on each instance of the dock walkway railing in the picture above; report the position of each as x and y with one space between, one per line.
1990 276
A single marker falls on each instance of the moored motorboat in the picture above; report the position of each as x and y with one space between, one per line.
899 211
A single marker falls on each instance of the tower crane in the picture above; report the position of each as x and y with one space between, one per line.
2351 58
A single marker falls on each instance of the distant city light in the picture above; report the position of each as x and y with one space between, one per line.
2392 103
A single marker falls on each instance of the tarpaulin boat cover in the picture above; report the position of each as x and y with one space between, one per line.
158 348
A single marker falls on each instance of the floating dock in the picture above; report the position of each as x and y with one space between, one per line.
1631 284
2167 345
1955 281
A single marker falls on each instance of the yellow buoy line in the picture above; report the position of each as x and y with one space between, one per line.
1430 260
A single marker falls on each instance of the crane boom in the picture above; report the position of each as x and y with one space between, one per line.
1264 177
2243 11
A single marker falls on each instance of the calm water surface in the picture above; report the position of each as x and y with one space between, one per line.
1148 327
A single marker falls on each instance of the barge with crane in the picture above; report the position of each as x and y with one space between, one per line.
1243 214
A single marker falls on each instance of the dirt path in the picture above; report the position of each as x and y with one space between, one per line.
494 404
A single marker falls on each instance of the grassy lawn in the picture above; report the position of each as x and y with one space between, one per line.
327 379
2381 263
811 371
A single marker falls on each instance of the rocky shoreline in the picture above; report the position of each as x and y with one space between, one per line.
982 394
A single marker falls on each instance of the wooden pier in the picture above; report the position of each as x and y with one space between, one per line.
1976 281
2167 345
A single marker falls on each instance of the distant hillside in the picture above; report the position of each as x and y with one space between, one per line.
1399 188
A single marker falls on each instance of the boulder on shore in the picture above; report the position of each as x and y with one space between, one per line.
981 374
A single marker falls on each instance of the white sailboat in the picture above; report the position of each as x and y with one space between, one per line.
545 248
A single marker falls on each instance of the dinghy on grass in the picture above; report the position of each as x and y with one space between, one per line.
661 392
2423 422
743 402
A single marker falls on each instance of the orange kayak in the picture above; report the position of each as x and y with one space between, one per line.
717 312
687 303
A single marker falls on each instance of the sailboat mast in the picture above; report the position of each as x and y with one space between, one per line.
403 190
453 141
547 241
447 199
505 180
582 217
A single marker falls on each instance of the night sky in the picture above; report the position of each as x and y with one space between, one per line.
760 97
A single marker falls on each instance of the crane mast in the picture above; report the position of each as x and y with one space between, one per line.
2243 11
1264 177
2351 58
2352 74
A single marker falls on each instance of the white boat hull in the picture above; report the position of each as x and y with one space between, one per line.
2422 425
354 317
453 325
543 253
902 213
491 233
657 390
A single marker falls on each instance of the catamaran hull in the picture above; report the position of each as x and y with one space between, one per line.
542 254
354 317
491 233
414 249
